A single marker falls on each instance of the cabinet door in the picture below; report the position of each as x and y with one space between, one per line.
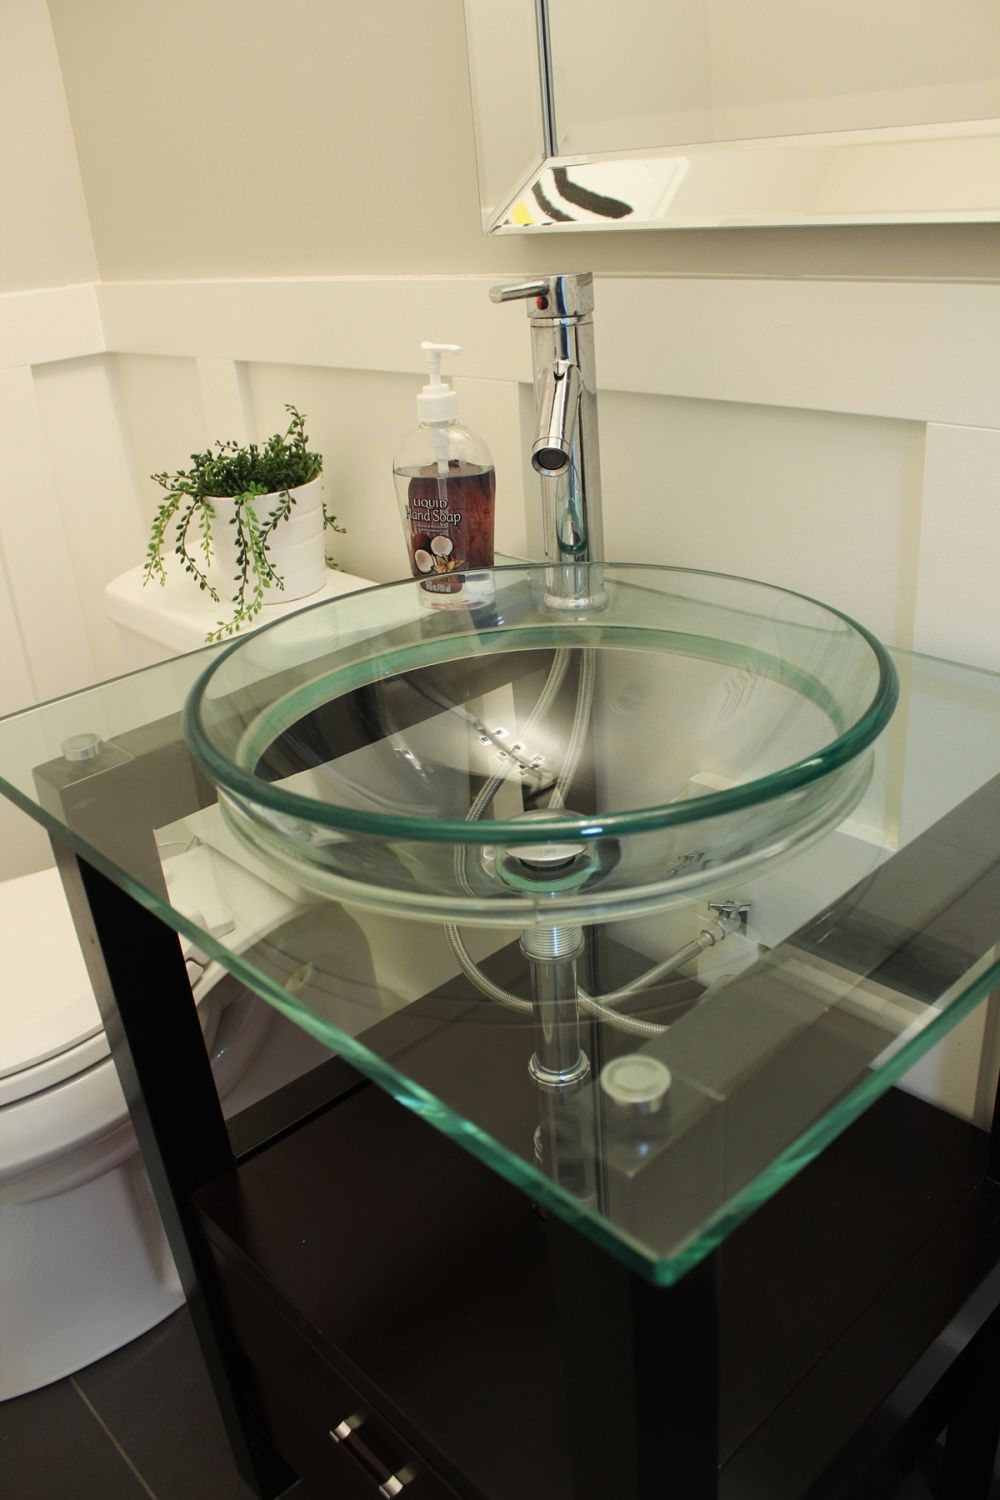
333 1440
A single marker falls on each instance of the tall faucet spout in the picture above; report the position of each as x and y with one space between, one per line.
564 452
558 414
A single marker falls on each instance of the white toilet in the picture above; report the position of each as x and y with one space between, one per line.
84 1265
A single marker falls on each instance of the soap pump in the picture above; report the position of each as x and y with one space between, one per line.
445 486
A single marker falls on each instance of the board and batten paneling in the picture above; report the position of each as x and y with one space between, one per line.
958 546
814 501
837 436
741 366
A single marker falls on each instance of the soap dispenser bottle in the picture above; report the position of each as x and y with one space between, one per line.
445 485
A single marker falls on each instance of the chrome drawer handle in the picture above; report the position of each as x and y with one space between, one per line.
389 1487
345 1429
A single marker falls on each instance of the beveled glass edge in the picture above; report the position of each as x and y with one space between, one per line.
441 830
806 1147
674 165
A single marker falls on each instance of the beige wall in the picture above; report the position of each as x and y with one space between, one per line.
44 234
273 137
225 138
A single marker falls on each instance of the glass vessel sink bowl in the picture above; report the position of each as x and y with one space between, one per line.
509 759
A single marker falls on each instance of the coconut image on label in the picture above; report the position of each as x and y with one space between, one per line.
438 557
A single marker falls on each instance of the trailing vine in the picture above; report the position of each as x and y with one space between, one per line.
242 474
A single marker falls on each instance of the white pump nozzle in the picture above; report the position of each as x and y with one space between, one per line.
437 402
434 353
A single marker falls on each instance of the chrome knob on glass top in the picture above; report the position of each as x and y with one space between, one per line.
504 762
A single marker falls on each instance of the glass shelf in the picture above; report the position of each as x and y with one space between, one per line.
861 951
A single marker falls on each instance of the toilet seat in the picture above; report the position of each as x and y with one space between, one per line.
50 1023
50 1026
61 1137
63 1116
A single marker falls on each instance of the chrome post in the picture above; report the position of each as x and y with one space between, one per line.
552 952
565 450
559 1066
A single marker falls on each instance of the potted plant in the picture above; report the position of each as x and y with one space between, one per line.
255 514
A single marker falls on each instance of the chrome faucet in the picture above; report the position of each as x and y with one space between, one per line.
564 452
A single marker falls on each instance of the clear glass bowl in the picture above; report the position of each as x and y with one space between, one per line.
511 760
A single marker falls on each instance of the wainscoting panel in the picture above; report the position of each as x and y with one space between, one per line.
817 502
766 426
37 548
50 324
838 437
921 351
959 545
225 397
99 509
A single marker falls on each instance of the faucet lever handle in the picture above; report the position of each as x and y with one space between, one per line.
518 291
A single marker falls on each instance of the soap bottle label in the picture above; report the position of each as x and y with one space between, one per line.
448 520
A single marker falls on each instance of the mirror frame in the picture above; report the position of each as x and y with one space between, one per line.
942 173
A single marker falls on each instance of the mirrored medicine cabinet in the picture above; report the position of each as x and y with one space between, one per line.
640 114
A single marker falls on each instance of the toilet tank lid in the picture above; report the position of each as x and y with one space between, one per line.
179 617
47 1005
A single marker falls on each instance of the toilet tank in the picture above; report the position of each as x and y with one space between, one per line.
154 623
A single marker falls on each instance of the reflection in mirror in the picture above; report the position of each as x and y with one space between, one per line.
638 114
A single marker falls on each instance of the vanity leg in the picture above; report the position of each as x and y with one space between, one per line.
972 1445
995 1137
138 975
640 1369
970 1452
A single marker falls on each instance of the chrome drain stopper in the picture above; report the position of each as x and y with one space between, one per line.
636 1085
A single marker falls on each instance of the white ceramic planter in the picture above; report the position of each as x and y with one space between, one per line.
295 547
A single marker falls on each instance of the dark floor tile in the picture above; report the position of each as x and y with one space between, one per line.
915 1488
931 1467
154 1396
51 1448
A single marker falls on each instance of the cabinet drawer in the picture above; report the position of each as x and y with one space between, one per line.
332 1439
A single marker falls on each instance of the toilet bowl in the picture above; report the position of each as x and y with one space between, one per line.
84 1264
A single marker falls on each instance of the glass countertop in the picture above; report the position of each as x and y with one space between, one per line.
784 1000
